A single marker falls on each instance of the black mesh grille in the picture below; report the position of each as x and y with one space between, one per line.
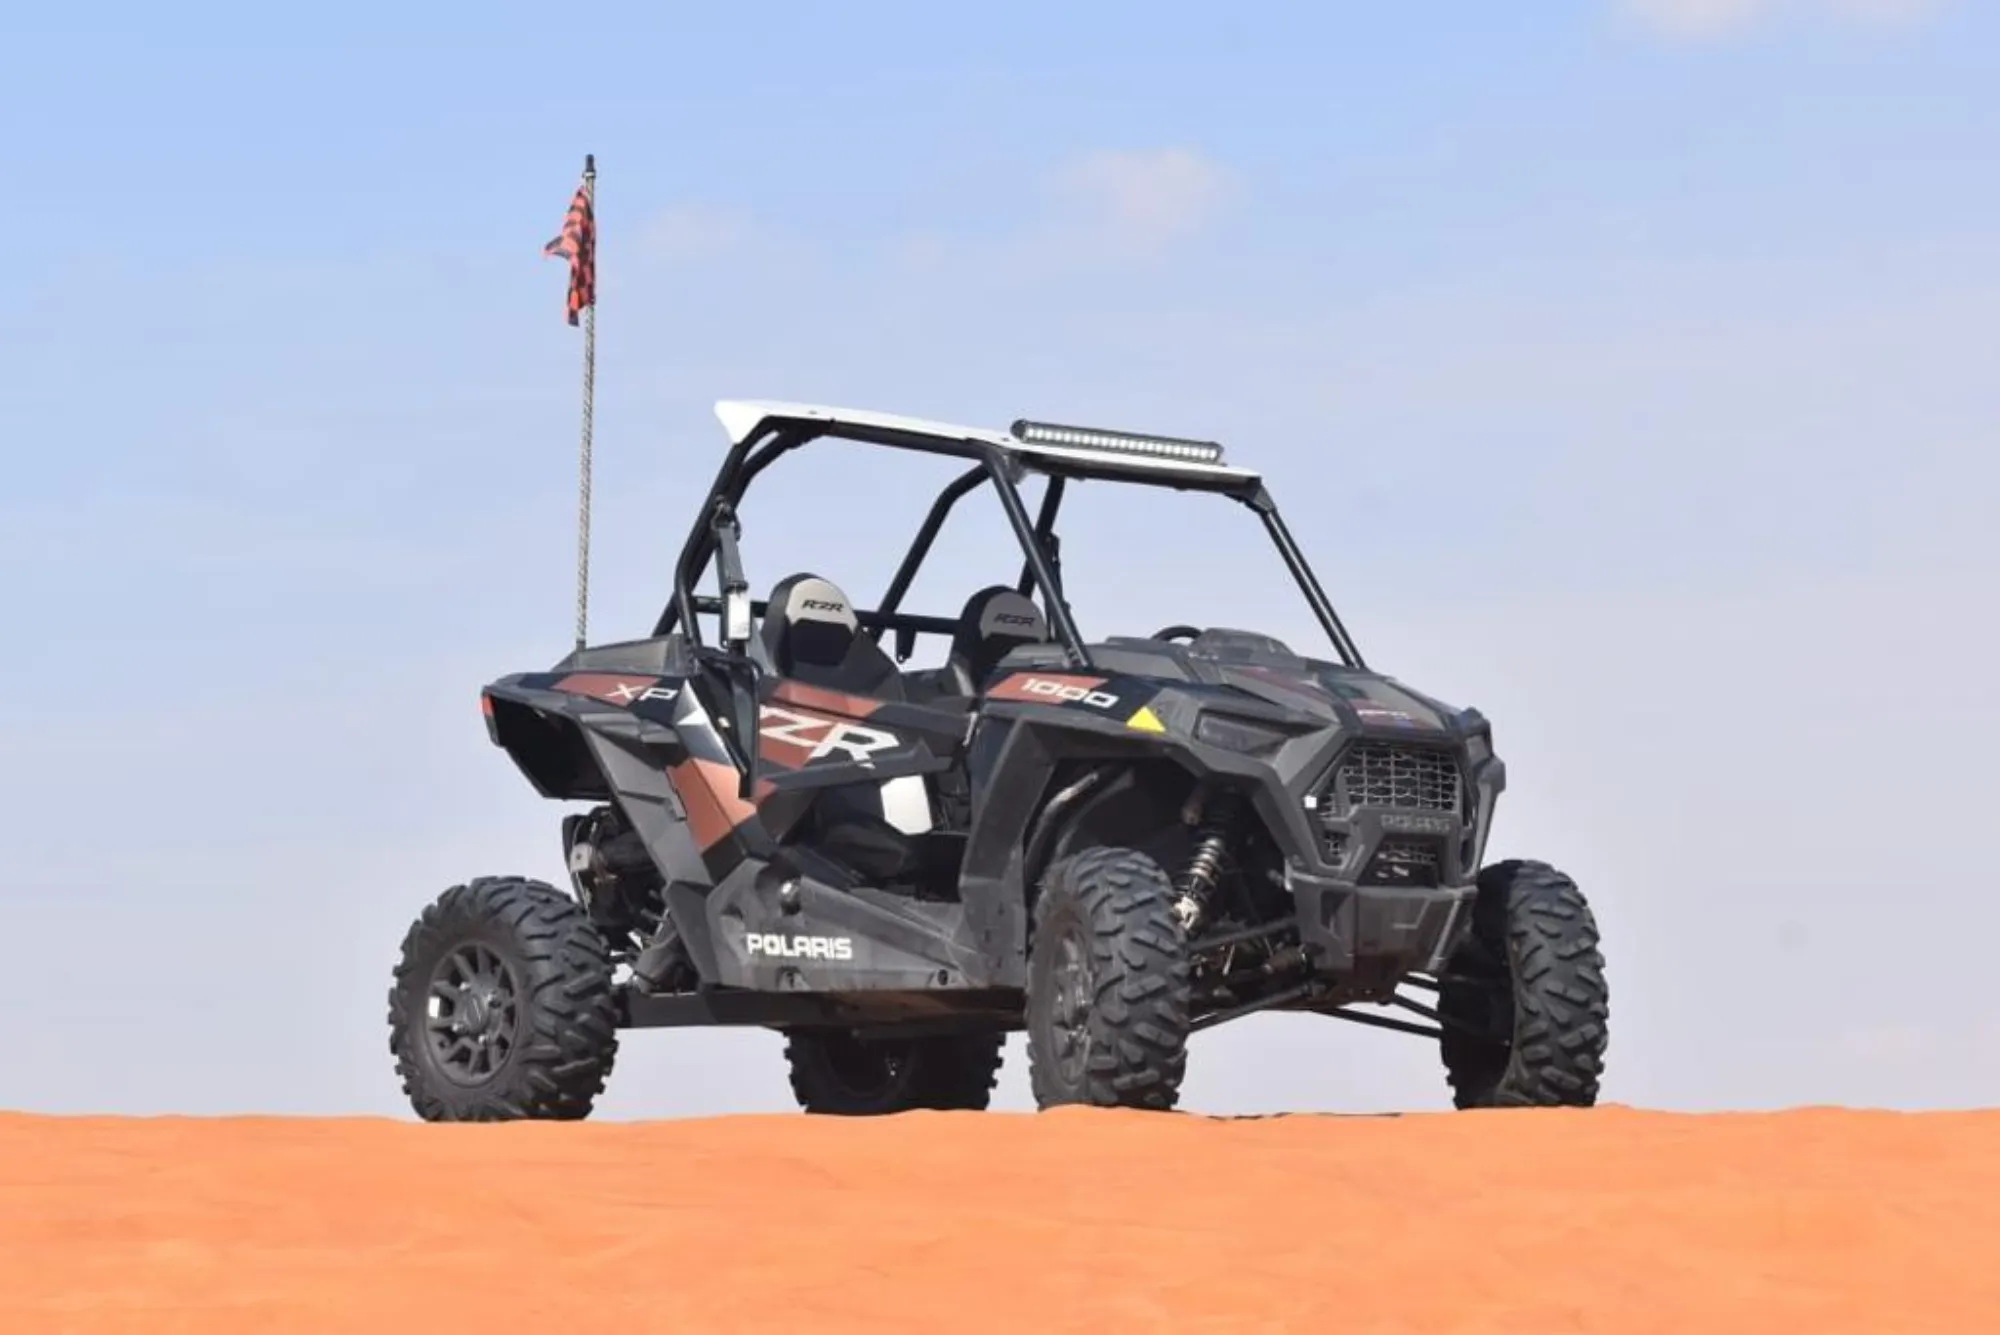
1398 778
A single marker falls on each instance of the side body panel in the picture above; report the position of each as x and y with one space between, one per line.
754 912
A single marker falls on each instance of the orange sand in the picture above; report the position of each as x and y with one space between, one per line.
1611 1220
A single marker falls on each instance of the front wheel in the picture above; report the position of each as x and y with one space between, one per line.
1525 1006
502 1007
1108 985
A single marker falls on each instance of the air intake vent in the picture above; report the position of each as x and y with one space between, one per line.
1406 863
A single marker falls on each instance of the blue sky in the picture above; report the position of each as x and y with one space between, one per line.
1624 367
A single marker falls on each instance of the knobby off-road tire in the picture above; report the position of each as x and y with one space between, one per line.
836 1072
1108 984
1531 980
528 1025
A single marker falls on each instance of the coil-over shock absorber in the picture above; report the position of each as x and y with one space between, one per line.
1215 815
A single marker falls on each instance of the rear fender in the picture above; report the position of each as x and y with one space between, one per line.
578 741
646 743
596 736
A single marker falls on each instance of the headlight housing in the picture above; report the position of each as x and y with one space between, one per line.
1234 733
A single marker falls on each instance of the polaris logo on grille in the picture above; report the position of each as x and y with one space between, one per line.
1397 718
1402 822
1068 694
773 946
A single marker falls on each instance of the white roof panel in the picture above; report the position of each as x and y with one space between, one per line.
740 418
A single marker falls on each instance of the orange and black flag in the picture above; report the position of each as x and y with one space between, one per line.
578 244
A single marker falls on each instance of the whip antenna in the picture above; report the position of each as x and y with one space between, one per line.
578 244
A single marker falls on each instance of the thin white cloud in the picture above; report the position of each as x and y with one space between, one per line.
1698 18
1106 209
1103 209
1709 19
1142 202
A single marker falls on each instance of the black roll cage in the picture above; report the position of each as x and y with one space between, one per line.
1040 546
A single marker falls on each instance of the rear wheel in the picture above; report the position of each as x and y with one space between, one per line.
1525 1004
1108 985
502 1006
839 1072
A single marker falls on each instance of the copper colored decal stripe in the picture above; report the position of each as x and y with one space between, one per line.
610 687
781 752
1015 687
817 697
708 791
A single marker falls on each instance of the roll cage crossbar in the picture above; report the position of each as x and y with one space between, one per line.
1040 546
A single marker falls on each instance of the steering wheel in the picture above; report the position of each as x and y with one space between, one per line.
1176 632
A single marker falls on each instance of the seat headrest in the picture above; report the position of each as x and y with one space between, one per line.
807 620
995 620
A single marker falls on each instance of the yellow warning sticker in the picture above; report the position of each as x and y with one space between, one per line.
1145 721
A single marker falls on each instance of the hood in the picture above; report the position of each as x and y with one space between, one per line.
1372 700
1269 671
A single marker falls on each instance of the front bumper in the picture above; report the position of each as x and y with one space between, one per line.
1342 925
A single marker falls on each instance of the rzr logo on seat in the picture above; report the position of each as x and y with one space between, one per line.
1067 693
825 605
1013 619
819 737
799 947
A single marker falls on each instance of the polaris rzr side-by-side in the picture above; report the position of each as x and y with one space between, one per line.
1110 844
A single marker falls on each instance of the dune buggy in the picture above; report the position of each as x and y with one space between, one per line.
1110 844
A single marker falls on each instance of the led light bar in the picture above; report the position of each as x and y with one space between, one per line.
1117 442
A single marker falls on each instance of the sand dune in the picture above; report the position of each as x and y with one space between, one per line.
1611 1220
